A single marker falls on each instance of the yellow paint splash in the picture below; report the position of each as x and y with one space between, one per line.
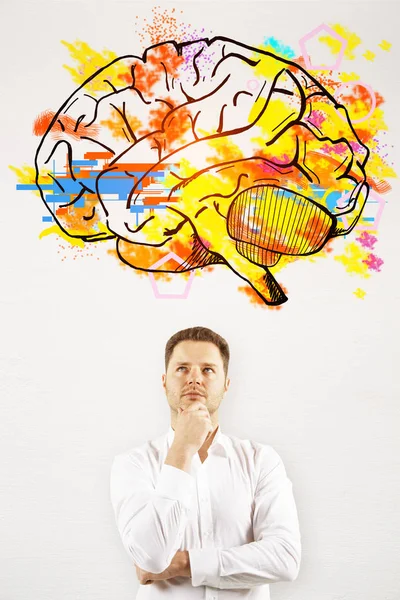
345 77
369 55
359 293
272 121
335 45
352 260
268 67
88 61
385 45
73 241
27 175
55 229
377 168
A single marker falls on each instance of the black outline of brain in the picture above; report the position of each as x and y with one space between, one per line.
197 98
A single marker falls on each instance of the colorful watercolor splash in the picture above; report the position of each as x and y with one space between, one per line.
216 153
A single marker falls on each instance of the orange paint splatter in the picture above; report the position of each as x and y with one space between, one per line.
125 78
70 126
64 124
358 92
164 26
72 217
329 246
117 125
252 295
156 117
161 63
42 122
380 186
146 256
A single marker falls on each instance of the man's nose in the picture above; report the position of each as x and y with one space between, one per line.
195 376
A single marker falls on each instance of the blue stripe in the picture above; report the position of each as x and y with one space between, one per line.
135 208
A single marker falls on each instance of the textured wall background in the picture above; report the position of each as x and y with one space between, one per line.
82 347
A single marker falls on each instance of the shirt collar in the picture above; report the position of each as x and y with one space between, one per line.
220 444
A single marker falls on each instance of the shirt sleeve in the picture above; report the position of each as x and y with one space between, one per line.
276 552
151 517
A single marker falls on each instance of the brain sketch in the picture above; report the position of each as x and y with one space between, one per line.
216 150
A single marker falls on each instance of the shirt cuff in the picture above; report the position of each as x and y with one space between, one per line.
204 566
176 484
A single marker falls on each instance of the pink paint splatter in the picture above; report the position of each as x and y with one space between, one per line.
357 147
338 148
373 262
205 242
316 118
367 240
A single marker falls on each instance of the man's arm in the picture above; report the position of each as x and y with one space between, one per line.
179 567
274 556
151 519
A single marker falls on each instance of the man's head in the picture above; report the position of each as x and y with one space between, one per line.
196 367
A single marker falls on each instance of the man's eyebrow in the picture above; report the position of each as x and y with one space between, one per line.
204 364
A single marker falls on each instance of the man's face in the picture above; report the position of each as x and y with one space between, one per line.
195 372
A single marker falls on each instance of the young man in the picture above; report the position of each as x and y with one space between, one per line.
204 515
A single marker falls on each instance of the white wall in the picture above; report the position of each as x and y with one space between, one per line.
82 348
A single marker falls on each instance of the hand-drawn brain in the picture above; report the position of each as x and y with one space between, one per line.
214 149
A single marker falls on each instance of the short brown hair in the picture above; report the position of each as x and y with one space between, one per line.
198 334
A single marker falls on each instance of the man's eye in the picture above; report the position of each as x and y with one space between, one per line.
209 369
181 368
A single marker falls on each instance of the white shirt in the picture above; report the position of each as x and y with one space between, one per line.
234 513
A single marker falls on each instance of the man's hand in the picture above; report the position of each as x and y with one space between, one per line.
193 426
179 567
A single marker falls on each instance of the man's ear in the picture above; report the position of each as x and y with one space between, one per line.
163 381
227 384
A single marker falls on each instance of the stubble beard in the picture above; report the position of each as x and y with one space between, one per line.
212 404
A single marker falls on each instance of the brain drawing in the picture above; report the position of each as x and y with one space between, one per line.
212 149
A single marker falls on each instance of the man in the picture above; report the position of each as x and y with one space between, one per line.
203 514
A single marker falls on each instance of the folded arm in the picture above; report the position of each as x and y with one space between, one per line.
151 519
273 556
